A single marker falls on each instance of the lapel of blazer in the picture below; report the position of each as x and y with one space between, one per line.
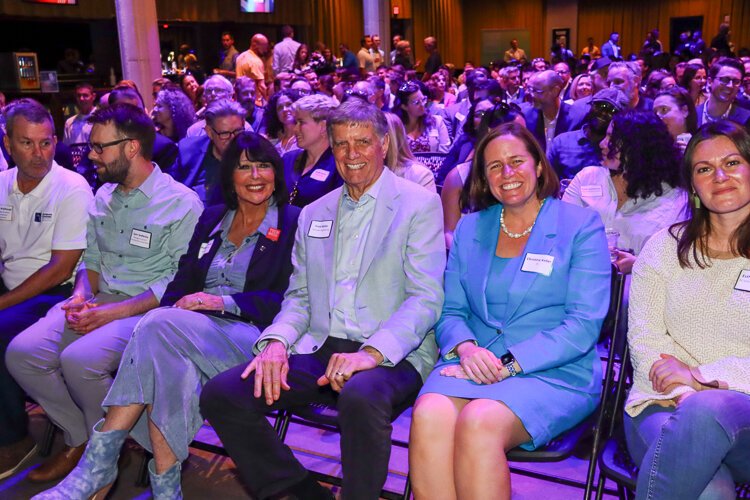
386 206
329 211
541 240
261 260
485 238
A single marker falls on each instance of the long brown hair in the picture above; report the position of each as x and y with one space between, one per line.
692 234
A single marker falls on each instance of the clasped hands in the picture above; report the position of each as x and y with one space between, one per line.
84 315
271 368
478 364
668 372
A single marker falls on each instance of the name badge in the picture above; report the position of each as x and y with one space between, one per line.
273 234
592 191
6 212
140 238
460 117
205 248
538 263
743 282
42 217
319 174
320 229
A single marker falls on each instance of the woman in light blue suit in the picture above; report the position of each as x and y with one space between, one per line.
527 288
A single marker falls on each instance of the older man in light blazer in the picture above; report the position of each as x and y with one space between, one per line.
353 328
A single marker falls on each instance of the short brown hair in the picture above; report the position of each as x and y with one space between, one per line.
548 184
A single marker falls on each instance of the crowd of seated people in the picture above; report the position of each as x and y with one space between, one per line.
225 256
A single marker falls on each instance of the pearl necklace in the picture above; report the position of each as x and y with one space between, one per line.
525 232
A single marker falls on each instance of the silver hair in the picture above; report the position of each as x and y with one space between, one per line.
221 108
631 66
30 110
221 80
356 112
319 106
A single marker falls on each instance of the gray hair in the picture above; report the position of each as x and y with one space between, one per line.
631 66
319 106
357 112
220 80
221 108
31 110
242 82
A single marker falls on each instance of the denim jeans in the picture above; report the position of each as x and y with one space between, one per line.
697 450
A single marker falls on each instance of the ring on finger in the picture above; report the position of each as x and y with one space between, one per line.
339 374
200 301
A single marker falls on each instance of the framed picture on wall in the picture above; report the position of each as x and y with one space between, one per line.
561 35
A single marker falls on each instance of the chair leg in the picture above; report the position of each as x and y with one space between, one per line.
143 479
281 426
48 439
407 488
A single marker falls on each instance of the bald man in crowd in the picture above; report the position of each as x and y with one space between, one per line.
250 63
549 117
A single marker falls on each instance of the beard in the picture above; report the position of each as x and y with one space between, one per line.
115 171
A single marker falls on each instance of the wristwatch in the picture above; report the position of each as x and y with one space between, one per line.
508 361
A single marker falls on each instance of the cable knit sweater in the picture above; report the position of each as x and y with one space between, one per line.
696 315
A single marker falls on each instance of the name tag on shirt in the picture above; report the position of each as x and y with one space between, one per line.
538 263
320 229
460 117
743 282
42 217
592 191
205 248
140 238
319 174
6 212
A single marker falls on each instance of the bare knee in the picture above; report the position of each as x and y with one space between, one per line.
433 411
484 421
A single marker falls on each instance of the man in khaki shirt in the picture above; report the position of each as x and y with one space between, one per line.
250 64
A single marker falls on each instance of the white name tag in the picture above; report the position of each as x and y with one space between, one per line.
6 212
42 217
460 117
205 248
592 191
743 282
320 229
319 174
140 238
538 263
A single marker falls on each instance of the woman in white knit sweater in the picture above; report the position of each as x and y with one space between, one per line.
688 413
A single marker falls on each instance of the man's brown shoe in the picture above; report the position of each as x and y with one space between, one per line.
14 456
58 466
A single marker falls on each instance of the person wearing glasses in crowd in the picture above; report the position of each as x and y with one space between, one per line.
426 132
563 71
139 226
549 117
724 81
687 419
197 165
310 171
228 287
216 87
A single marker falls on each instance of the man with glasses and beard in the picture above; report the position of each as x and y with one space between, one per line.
197 164
569 152
139 226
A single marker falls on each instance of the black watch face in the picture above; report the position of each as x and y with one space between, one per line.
507 359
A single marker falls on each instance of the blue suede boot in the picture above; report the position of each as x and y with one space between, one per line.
96 471
166 486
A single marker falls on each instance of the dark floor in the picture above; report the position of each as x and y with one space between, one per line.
206 475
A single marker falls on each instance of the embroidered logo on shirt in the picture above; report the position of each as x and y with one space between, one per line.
42 217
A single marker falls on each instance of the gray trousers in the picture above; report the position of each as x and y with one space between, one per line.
66 373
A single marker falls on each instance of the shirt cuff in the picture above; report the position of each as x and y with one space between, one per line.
230 305
261 344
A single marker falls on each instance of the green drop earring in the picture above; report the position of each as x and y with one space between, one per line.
696 200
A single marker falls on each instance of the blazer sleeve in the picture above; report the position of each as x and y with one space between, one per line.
444 139
587 300
453 327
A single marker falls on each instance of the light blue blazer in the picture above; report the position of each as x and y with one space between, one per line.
552 322
399 290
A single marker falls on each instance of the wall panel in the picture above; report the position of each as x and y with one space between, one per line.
444 20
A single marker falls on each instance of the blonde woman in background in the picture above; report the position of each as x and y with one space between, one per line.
400 159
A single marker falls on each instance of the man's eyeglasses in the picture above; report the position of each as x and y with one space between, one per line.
727 81
215 91
227 134
98 147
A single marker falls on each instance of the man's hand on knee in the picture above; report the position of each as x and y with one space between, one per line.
271 368
342 366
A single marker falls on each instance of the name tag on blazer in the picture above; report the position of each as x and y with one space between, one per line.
538 263
319 174
743 282
320 229
592 191
205 248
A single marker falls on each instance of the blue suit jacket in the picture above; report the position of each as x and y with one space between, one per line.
321 179
186 167
399 289
569 118
267 272
738 114
552 322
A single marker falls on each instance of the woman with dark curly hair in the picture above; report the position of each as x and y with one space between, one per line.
694 81
173 112
427 133
640 190
278 121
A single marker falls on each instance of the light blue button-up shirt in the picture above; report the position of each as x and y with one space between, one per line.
353 225
135 239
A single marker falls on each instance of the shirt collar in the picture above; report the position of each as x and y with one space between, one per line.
149 186
271 219
372 192
43 186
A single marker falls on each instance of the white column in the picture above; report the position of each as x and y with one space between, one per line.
139 43
377 14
